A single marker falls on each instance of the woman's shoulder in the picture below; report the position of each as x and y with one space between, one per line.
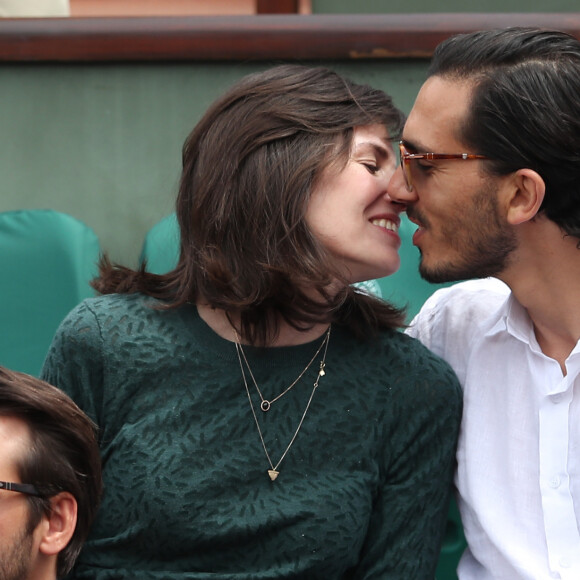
121 301
403 358
413 359
423 382
117 314
117 327
401 377
112 306
408 350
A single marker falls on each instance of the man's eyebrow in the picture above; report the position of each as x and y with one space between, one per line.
414 147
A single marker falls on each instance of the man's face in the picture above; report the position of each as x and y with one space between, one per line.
462 233
16 540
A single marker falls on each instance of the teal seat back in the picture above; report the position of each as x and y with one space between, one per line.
46 261
161 246
404 288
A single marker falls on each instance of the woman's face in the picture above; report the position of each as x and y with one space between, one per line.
350 212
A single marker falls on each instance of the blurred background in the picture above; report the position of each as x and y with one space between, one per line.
101 139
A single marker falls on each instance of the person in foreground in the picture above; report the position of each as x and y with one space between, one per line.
250 427
490 173
50 479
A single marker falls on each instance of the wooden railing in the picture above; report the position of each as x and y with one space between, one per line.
132 8
242 38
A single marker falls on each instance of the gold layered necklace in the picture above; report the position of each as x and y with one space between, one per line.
266 404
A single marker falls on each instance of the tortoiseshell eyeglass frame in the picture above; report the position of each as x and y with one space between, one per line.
407 157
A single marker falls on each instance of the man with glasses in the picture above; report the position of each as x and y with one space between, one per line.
490 173
50 479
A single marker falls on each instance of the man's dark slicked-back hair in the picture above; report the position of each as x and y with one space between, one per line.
525 108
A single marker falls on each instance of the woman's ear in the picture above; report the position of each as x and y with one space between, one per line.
59 526
527 190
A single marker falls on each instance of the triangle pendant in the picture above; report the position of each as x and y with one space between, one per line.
273 474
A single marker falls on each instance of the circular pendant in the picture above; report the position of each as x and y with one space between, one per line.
265 406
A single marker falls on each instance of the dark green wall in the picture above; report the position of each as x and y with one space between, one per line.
412 6
103 142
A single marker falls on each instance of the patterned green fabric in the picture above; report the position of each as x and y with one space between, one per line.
362 492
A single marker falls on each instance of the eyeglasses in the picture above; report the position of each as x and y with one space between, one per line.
26 488
407 157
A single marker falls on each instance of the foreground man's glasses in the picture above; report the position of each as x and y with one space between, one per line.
407 157
26 488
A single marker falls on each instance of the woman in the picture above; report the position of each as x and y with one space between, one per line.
261 418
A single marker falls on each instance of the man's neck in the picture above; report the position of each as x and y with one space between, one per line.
545 279
43 572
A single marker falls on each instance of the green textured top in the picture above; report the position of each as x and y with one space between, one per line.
362 493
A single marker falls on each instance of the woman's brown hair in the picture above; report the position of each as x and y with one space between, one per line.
249 168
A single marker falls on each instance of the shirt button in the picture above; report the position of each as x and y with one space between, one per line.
557 398
564 562
555 482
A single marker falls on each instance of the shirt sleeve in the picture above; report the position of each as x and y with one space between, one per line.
426 325
74 360
410 512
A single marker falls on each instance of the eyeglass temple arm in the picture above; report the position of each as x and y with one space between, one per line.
27 488
443 156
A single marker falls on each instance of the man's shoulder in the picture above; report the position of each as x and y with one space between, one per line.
452 318
467 303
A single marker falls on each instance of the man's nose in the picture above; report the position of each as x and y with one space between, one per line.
397 188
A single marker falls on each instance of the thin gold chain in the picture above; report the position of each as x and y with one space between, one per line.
266 404
273 471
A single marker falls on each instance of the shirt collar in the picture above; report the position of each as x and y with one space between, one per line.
514 319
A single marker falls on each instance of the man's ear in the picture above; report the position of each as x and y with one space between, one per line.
526 194
59 527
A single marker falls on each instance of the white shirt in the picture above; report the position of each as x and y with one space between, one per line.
518 476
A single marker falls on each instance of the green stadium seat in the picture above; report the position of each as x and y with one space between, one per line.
47 259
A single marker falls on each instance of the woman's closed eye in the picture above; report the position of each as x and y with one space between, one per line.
371 168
